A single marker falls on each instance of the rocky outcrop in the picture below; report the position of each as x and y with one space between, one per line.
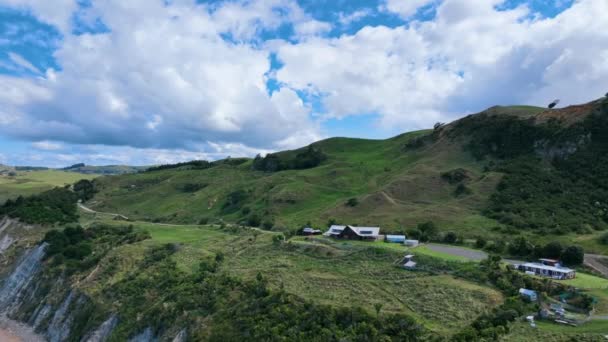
103 332
14 286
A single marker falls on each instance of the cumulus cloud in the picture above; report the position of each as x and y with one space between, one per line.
163 77
192 77
405 9
56 12
47 145
470 56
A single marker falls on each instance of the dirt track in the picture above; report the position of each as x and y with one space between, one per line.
593 261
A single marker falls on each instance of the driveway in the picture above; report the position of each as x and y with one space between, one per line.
458 251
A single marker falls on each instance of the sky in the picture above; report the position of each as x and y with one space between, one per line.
146 82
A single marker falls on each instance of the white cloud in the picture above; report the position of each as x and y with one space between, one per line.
47 145
192 77
347 19
56 12
162 78
405 8
471 56
22 62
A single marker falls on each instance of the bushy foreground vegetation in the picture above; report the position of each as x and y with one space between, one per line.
54 206
237 309
556 176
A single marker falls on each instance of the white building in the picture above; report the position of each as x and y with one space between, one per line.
554 272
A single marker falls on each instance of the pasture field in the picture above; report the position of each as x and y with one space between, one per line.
26 183
326 272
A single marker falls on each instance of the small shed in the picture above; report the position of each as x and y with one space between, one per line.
528 294
411 243
410 265
408 262
310 231
395 238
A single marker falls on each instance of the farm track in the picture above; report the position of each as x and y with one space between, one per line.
593 261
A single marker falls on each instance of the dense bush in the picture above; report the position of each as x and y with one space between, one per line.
573 255
234 201
273 162
157 294
85 189
556 177
75 248
191 165
455 176
54 206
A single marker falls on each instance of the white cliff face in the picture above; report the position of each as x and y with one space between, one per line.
5 242
13 287
59 328
103 332
145 336
181 336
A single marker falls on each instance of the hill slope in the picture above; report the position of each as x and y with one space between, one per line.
449 175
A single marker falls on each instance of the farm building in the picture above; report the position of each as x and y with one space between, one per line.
353 233
555 272
395 238
411 243
310 231
528 294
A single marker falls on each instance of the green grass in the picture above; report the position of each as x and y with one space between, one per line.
425 250
546 331
27 183
396 188
586 281
331 272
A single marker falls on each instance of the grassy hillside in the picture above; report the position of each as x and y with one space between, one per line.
395 186
25 183
507 169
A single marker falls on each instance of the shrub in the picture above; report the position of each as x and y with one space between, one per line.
352 202
450 237
254 220
552 250
480 242
573 256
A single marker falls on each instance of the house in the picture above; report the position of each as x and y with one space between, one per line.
353 233
395 238
310 231
411 243
530 295
408 262
539 269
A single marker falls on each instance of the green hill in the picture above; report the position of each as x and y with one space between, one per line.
395 183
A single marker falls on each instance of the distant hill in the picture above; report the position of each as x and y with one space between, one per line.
104 170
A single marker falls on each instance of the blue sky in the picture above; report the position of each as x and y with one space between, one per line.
103 82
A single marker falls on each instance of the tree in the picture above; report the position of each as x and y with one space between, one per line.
254 220
573 255
521 247
450 237
552 250
480 242
352 202
428 231
378 307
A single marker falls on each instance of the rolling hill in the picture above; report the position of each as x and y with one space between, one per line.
463 176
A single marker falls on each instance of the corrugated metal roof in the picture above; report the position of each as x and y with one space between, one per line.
548 268
361 231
